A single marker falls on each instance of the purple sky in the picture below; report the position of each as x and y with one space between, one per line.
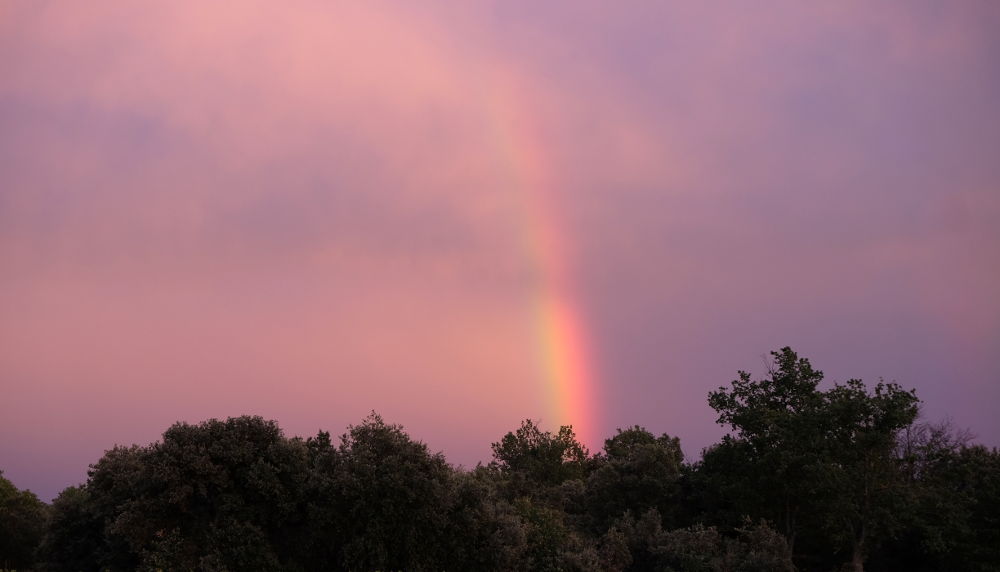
305 212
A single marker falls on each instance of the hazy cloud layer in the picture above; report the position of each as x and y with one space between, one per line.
306 211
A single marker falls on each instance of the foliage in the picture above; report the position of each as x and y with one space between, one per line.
643 544
953 494
75 535
844 473
534 462
393 496
757 548
22 523
637 472
484 532
818 462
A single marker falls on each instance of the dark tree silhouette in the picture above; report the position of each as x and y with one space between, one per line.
23 519
842 475
821 461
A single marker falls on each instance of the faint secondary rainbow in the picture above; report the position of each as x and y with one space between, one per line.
564 355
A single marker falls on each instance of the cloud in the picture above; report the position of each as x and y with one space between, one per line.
310 211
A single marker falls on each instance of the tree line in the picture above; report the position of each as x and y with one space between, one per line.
844 478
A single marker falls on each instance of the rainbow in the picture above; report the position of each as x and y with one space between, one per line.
564 356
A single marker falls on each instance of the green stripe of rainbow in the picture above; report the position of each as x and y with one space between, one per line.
564 356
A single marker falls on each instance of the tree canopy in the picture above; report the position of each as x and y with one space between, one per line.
811 476
822 460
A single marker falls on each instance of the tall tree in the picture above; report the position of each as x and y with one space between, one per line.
816 460
637 471
75 536
115 484
394 497
532 460
864 488
217 495
222 494
777 433
953 502
23 519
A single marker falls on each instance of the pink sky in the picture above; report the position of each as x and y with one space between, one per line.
309 211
